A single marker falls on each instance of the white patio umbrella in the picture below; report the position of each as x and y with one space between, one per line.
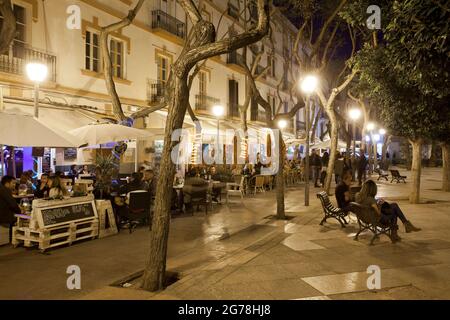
101 133
26 131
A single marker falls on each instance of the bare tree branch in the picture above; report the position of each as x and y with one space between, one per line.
107 62
8 31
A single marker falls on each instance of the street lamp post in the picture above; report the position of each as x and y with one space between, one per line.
36 72
372 160
308 86
354 114
218 111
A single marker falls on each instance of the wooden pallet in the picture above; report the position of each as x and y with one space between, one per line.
55 236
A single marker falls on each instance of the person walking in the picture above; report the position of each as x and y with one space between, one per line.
325 161
362 166
316 166
338 168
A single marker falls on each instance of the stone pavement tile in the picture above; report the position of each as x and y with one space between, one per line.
352 282
238 291
114 293
247 274
306 269
286 289
298 244
267 243
406 259
398 293
282 254
315 298
347 243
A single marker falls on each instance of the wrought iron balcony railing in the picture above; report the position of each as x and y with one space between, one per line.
233 110
156 90
205 103
163 20
235 58
20 55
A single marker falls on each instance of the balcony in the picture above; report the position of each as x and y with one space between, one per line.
261 116
164 21
156 90
235 58
204 103
233 111
15 61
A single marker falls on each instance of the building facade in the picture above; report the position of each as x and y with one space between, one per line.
142 54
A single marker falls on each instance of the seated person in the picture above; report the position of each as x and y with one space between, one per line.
388 212
84 170
150 181
236 171
42 188
215 177
191 187
342 193
8 205
73 171
57 189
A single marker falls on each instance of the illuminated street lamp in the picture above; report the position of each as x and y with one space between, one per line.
282 124
382 131
308 85
370 126
36 72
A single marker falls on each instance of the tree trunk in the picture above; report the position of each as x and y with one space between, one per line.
153 278
280 179
446 167
416 171
333 147
314 127
8 30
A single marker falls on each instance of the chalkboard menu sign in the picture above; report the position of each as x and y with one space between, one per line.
68 213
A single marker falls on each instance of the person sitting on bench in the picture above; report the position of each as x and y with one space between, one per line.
342 192
388 212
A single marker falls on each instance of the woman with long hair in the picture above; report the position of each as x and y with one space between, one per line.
388 212
57 189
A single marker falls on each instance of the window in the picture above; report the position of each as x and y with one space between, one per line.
19 42
233 9
202 83
116 48
163 68
92 52
286 107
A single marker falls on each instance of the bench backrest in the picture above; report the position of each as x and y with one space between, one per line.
395 173
364 213
325 200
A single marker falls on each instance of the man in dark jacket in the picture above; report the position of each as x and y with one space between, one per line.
362 166
316 167
8 205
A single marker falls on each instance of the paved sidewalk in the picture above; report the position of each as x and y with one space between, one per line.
237 254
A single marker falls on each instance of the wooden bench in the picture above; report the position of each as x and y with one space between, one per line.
382 174
397 177
369 220
331 211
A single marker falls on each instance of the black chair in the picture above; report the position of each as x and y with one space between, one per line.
139 209
197 195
